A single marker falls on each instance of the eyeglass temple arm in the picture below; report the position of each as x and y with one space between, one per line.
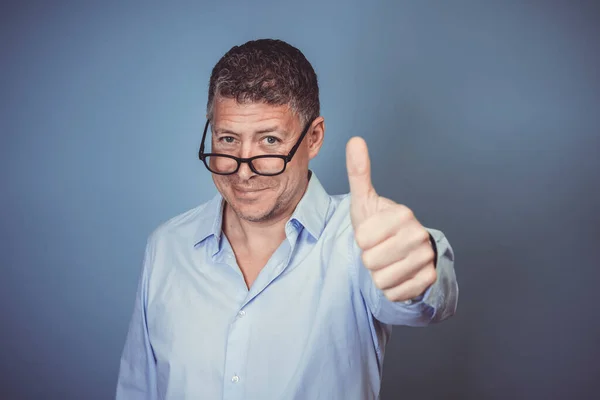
203 138
293 150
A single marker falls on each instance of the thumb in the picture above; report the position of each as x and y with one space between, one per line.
358 165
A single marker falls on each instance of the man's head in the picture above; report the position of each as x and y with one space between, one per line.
262 95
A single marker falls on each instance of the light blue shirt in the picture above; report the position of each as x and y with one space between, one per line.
312 325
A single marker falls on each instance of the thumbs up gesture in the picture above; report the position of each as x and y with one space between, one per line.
395 247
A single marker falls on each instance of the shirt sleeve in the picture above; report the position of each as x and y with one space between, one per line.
137 372
438 303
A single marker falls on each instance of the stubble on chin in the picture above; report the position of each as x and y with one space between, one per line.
250 216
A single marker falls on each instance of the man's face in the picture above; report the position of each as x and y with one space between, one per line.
247 130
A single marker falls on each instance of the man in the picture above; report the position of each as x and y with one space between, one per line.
275 289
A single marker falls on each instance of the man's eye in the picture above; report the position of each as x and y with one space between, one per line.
272 140
227 139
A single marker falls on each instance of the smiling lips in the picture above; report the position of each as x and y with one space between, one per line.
241 190
247 193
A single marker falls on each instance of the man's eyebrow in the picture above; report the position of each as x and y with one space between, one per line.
223 131
270 129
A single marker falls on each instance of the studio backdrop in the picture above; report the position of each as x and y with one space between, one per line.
481 116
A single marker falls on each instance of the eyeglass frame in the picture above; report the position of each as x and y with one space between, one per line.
286 158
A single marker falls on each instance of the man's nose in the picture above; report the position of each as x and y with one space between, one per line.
245 172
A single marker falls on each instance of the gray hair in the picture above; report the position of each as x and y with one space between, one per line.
269 71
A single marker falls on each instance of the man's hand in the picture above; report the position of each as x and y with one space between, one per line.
395 246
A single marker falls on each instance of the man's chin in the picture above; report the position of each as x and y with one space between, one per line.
251 212
254 216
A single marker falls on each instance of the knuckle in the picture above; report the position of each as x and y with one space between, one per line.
424 235
397 214
360 237
430 277
405 212
367 259
390 295
428 255
378 280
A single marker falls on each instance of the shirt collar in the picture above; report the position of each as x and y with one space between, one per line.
211 218
311 213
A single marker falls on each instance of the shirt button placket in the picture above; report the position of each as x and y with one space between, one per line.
234 357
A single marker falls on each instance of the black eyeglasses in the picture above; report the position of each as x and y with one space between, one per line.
267 165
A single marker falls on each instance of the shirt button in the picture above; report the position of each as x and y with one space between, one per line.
235 379
408 302
241 313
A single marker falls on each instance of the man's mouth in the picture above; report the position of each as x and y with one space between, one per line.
246 190
247 193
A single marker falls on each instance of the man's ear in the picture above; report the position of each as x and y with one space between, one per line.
316 135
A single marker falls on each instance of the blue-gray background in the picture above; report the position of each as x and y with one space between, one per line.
483 117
